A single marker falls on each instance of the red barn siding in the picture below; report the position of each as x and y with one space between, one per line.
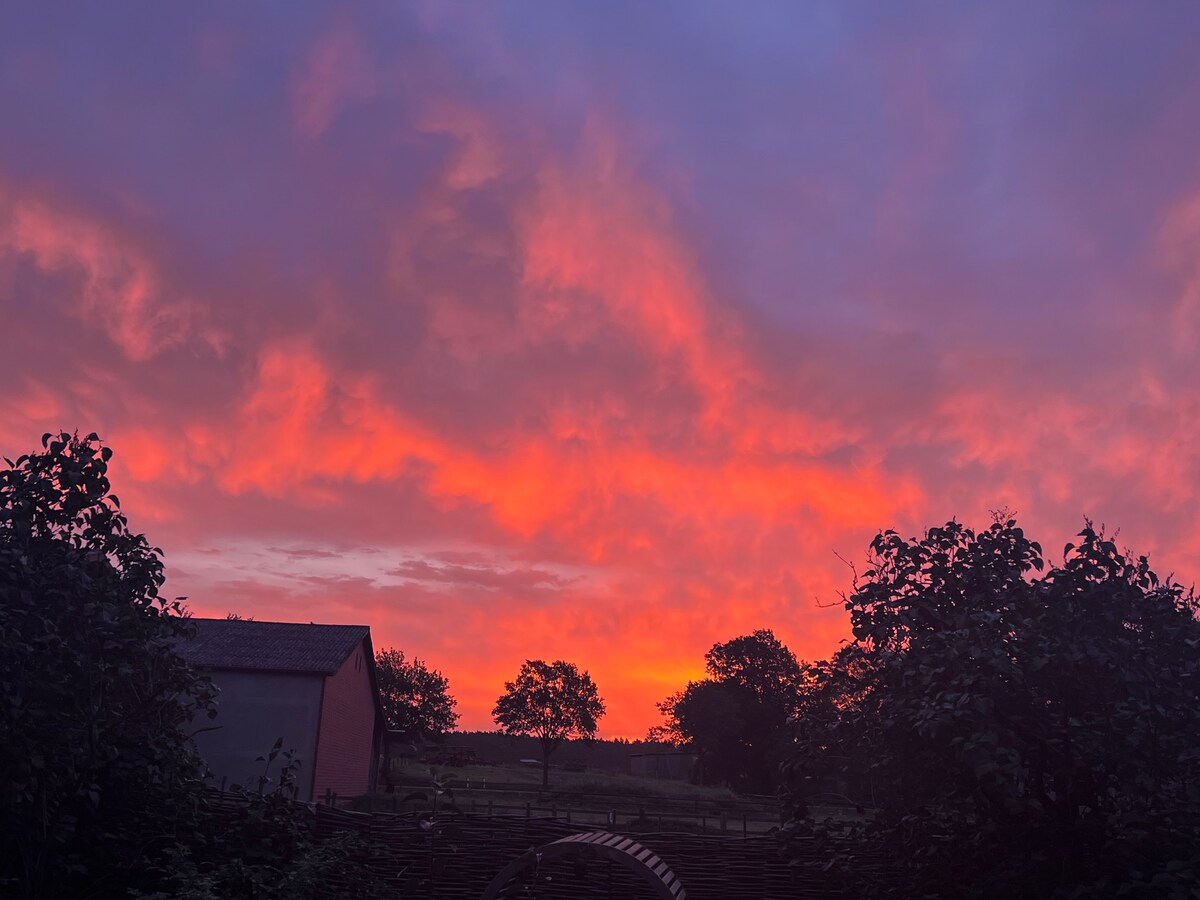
345 745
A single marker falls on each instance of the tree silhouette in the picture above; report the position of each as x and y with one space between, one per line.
552 702
1018 734
415 698
736 719
95 760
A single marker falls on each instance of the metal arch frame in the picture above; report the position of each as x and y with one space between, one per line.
638 859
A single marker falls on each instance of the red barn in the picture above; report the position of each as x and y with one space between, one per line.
312 685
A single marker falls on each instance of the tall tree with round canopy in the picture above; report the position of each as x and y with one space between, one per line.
736 719
552 702
415 698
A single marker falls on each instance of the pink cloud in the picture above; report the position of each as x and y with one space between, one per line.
465 332
116 285
337 74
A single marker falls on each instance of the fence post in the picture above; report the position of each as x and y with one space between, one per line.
528 810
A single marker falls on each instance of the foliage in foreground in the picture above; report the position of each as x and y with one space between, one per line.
257 844
94 702
1019 735
101 792
736 718
551 701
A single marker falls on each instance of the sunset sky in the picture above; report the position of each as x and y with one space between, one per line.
596 331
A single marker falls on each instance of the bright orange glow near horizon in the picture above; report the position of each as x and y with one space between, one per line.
519 335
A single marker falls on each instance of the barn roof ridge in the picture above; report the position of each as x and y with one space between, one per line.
249 644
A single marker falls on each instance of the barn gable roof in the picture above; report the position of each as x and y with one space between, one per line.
271 646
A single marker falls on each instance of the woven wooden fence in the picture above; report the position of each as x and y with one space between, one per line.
580 816
456 858
456 855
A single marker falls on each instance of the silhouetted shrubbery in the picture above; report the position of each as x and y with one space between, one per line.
1017 734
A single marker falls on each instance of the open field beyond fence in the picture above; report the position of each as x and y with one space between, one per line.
597 799
633 803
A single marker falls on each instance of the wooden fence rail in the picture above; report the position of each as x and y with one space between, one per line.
667 813
455 855
722 821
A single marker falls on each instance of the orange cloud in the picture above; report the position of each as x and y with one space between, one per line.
598 245
455 349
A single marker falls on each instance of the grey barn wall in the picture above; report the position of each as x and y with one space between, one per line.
254 710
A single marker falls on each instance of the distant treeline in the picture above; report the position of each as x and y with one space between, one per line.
503 749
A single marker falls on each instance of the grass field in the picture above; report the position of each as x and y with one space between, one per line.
600 798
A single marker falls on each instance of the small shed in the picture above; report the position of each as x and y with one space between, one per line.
312 685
